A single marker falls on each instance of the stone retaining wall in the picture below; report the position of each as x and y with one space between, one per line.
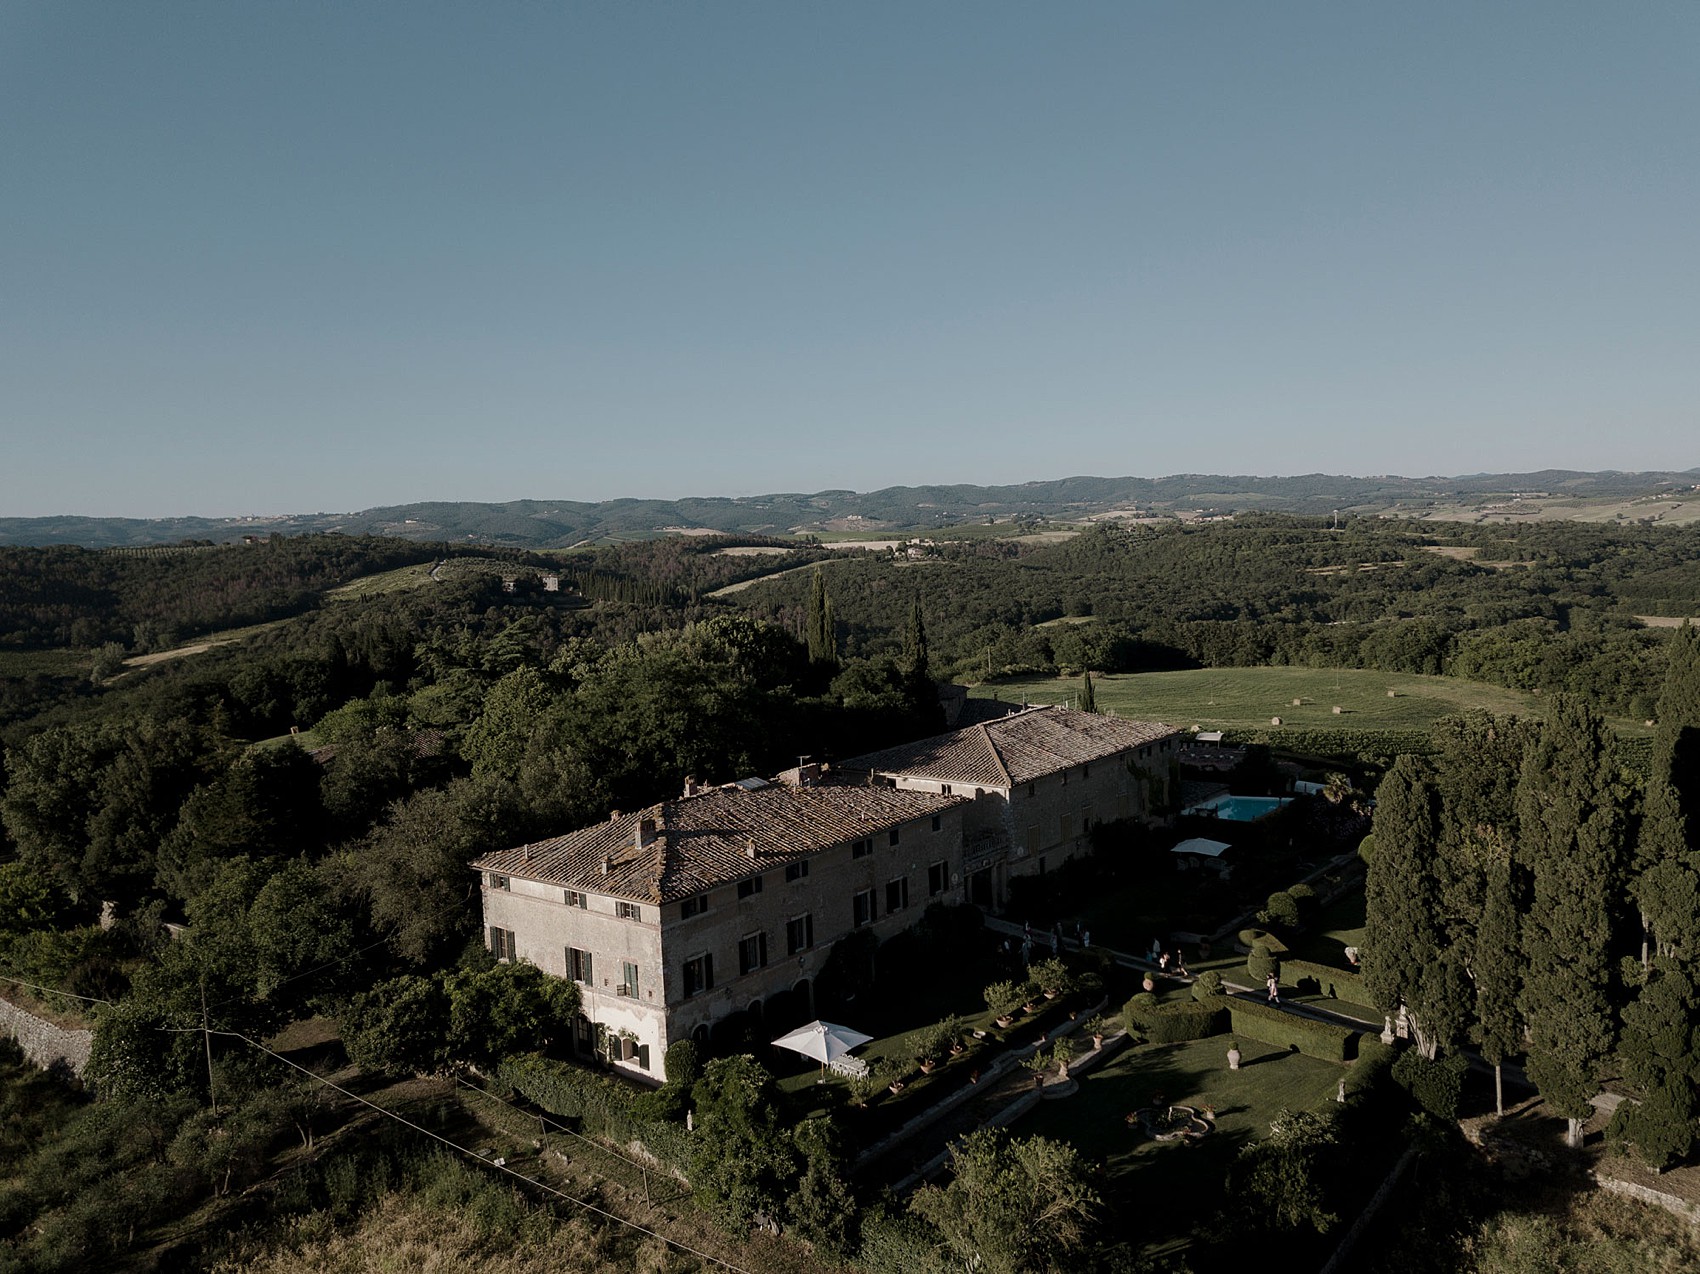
44 1044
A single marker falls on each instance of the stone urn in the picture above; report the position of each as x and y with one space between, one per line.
1150 983
1234 1056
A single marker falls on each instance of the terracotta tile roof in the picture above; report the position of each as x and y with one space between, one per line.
703 841
1014 749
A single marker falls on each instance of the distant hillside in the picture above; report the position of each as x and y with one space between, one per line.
565 523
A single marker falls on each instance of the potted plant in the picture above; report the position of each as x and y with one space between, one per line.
950 1033
1096 1027
1030 996
1062 1052
1002 998
1038 1063
1052 977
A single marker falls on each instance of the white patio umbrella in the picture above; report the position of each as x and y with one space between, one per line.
826 1042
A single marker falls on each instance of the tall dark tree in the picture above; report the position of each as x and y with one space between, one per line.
822 627
1407 959
1571 836
915 643
1496 968
1667 884
1088 696
1658 1047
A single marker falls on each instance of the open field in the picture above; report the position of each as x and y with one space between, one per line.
398 580
223 637
58 662
1676 509
1248 698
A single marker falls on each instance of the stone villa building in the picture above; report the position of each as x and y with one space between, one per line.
730 898
1039 779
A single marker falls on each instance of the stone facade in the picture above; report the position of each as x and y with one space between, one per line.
1039 781
44 1044
725 901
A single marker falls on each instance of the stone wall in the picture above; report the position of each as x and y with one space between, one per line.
44 1044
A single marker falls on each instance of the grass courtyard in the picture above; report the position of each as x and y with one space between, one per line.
1247 698
1173 1186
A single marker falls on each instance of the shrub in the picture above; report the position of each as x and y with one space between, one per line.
1206 986
1322 1040
600 1104
1438 1087
683 1065
1052 976
1003 998
1251 937
1176 1021
1281 910
1374 1062
1322 979
931 1043
1261 963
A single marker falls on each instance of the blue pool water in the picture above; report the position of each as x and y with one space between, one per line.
1240 809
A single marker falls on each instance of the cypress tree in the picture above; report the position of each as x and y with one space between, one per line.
1497 968
1088 697
1659 1037
1667 884
1570 828
915 644
1406 956
821 629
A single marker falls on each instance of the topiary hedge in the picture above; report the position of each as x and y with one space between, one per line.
1261 963
602 1105
1250 938
1336 984
1438 1086
1348 743
1270 1025
1177 1020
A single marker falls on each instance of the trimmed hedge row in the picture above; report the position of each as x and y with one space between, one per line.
1177 1021
1347 742
1249 938
1269 1025
602 1105
1337 984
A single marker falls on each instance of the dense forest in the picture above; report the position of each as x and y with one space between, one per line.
1541 606
305 799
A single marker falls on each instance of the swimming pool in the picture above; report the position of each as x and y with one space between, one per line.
1240 809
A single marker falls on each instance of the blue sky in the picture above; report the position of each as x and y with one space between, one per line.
299 257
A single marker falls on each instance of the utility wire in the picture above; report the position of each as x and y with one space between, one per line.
92 999
474 1155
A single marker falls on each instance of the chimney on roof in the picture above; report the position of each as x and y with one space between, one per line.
691 788
645 833
607 863
750 846
613 816
528 853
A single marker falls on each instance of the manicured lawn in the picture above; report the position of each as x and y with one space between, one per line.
1172 1186
1340 925
1246 698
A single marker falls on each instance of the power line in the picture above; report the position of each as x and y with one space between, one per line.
91 999
476 1157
